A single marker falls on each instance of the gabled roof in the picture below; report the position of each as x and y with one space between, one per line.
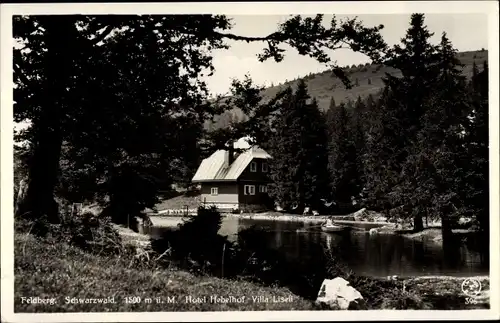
214 168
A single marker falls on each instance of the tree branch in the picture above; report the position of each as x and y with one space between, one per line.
102 35
273 36
21 75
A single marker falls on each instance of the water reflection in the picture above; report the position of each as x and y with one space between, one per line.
371 255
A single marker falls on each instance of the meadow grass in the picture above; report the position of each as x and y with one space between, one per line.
46 268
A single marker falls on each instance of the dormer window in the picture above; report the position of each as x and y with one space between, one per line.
264 167
253 167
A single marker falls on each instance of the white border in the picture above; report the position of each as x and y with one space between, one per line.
355 8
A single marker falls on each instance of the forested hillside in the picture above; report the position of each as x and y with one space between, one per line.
366 79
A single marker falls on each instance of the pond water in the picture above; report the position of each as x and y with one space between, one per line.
302 245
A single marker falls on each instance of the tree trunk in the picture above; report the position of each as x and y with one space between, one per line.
418 224
21 194
60 36
445 227
39 198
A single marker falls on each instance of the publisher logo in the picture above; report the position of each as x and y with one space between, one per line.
471 287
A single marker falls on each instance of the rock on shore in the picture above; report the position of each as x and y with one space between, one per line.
337 293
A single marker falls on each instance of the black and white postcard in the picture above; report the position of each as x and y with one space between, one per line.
314 161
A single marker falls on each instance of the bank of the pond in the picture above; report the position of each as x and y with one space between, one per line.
82 282
276 216
434 234
266 216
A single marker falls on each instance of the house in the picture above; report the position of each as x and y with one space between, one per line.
235 181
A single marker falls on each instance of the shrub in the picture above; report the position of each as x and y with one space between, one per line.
87 232
197 244
94 234
39 227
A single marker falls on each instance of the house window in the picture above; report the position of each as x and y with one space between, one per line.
253 167
249 189
214 191
262 188
264 167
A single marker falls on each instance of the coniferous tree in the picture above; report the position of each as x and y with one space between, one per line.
342 155
370 117
477 197
402 106
298 145
332 104
382 151
438 162
358 134
349 105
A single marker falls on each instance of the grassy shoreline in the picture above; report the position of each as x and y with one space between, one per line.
49 268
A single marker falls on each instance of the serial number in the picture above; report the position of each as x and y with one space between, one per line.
470 300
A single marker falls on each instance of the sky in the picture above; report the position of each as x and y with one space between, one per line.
466 32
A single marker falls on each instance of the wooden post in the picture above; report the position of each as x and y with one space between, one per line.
223 253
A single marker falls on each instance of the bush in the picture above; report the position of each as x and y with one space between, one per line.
39 227
87 232
93 234
196 245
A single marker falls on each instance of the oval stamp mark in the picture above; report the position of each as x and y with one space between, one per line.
471 287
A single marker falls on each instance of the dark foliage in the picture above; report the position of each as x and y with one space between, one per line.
298 140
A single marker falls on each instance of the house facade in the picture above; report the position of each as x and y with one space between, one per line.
235 181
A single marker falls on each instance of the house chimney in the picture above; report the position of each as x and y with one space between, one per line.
230 154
